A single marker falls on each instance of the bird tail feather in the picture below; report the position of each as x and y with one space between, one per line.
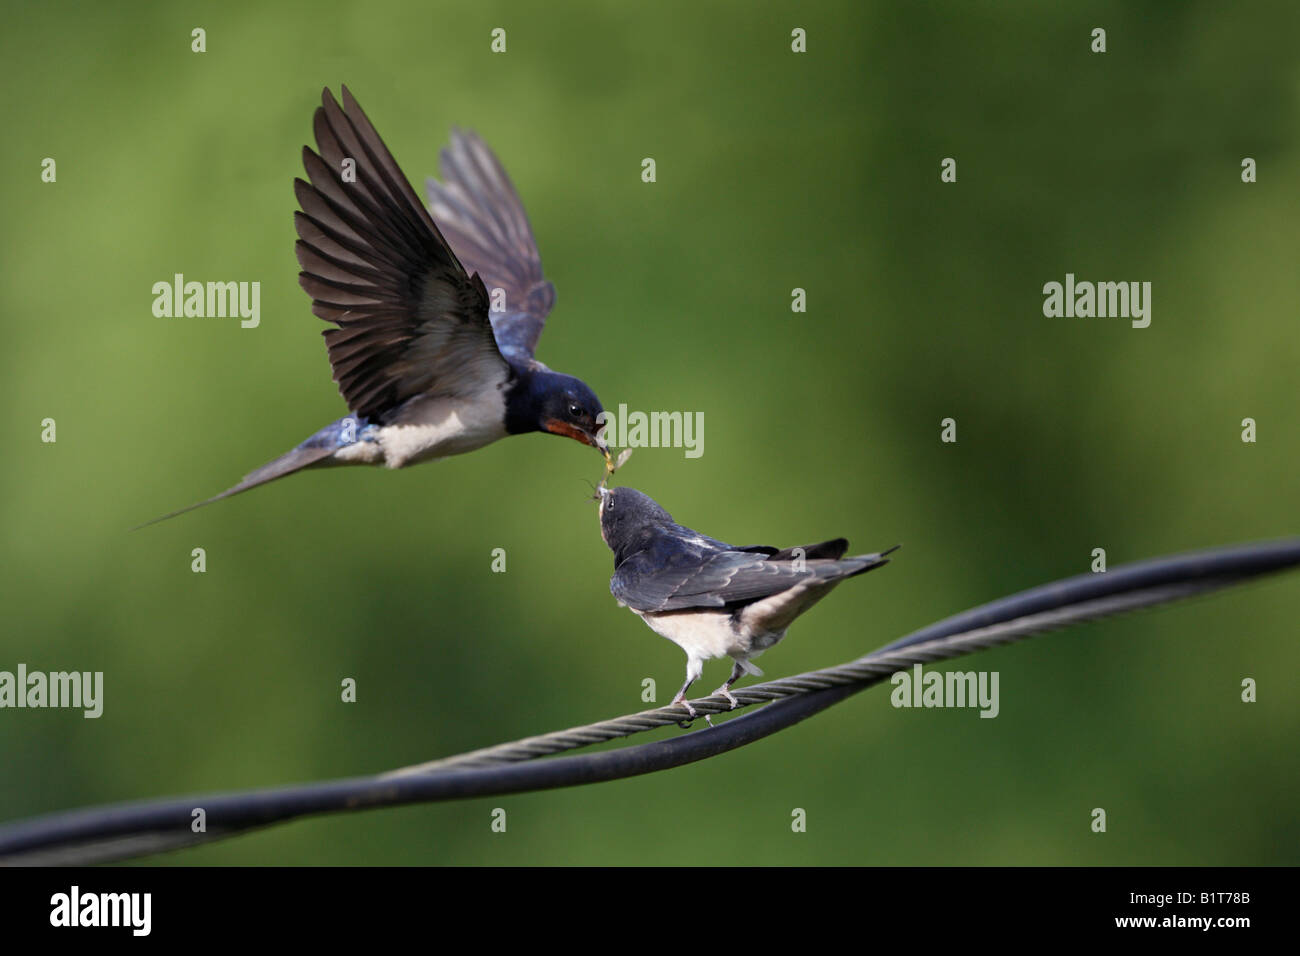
288 463
833 550
862 563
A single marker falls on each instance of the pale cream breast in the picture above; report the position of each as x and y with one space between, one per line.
704 635
442 426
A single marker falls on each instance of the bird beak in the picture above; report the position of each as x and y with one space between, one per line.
557 427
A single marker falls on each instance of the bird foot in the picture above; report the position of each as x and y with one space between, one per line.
685 724
725 691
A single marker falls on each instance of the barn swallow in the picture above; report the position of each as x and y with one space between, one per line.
428 362
710 598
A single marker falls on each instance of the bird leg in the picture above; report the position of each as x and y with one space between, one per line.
693 670
681 697
725 690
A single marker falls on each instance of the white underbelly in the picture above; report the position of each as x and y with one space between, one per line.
704 635
430 429
411 444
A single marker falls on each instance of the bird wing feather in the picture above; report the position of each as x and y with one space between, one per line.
718 579
410 321
484 220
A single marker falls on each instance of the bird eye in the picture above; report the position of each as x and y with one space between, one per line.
575 410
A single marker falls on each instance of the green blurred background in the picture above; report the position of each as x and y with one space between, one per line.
775 171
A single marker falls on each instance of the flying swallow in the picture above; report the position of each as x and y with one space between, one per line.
428 362
710 598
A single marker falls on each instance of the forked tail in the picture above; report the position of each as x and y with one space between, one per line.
304 456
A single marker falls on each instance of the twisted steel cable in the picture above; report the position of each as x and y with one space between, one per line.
135 829
867 670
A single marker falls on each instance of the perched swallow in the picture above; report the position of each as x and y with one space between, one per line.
710 598
427 369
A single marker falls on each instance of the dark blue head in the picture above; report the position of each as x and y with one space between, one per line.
629 518
544 401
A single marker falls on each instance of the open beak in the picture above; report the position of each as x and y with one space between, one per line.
603 494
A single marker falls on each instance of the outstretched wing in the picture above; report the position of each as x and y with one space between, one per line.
483 219
410 320
721 578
